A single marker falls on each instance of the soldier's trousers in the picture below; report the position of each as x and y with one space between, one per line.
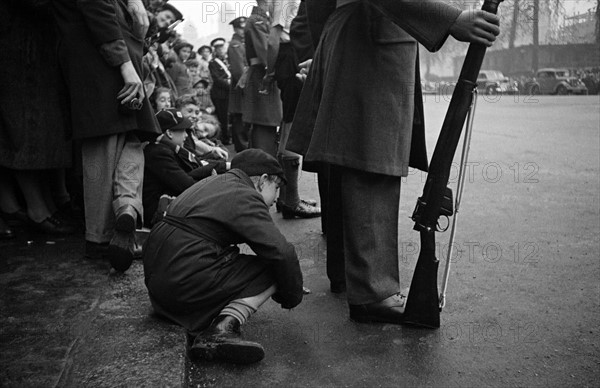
362 233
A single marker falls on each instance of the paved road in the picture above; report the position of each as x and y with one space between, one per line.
523 300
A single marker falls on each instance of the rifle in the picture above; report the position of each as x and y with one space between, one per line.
423 303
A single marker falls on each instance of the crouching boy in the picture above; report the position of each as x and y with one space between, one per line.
194 271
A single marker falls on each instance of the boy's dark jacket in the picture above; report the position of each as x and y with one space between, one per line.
169 169
186 274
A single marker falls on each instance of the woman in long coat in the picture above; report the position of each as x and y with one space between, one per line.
34 126
361 113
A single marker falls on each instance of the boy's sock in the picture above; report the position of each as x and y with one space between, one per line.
239 310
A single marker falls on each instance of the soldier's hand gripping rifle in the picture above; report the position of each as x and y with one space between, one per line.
423 303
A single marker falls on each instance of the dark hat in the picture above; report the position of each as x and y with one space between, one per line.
181 44
172 119
256 162
238 22
169 7
217 42
204 47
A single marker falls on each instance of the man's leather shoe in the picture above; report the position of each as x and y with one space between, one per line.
303 210
222 342
18 217
389 310
53 225
122 245
310 202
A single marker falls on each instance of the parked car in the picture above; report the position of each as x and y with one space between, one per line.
556 81
494 82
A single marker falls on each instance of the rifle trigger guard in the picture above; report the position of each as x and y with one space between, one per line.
439 228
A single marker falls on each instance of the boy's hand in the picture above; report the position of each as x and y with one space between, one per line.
133 88
476 26
285 304
220 153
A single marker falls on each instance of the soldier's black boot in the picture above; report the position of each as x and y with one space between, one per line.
222 341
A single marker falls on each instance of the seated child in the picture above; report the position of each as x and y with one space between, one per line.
195 273
208 133
169 168
188 106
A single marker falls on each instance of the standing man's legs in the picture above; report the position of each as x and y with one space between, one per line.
113 169
370 205
239 132
334 229
289 200
221 107
264 137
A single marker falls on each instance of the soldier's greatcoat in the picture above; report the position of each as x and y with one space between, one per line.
263 109
361 106
236 53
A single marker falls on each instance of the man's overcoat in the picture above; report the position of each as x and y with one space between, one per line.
361 106
96 37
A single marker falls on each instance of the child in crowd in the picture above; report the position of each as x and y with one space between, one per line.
193 68
189 108
170 168
203 96
208 132
161 99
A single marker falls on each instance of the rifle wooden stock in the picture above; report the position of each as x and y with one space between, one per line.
422 307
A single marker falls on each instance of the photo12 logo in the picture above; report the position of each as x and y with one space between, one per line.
489 172
477 251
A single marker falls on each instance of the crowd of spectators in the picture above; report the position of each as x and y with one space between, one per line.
177 77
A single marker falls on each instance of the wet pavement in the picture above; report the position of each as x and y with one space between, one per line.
523 304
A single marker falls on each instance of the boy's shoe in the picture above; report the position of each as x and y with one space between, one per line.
122 246
222 342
